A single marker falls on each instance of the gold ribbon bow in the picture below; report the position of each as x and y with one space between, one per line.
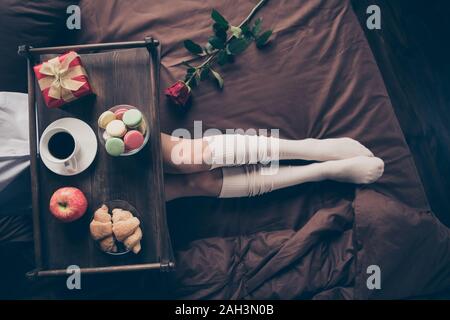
60 76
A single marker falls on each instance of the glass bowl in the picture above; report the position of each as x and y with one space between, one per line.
113 204
101 131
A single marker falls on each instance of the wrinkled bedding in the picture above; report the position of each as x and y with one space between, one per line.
327 258
317 79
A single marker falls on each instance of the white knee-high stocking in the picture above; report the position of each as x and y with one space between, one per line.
236 149
253 180
250 181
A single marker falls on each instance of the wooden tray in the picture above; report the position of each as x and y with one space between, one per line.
128 73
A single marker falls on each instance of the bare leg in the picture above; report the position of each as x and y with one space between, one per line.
200 184
184 155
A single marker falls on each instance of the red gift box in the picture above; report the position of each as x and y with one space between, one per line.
62 79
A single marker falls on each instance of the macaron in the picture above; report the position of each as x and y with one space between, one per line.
105 118
142 127
116 128
120 112
114 146
106 136
132 118
133 140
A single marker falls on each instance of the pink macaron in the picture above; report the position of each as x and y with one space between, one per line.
119 113
133 140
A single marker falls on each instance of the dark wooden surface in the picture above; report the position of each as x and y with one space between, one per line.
117 77
412 51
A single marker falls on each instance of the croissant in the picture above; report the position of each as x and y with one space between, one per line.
137 248
134 239
122 224
116 211
108 244
121 215
100 230
125 228
102 215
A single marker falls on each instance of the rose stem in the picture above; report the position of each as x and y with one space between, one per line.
246 20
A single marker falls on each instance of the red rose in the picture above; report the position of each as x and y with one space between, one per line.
179 93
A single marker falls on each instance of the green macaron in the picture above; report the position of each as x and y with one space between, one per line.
115 146
132 118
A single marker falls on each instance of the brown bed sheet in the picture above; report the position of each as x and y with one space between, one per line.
36 23
317 79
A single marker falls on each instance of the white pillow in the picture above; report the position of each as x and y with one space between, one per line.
14 143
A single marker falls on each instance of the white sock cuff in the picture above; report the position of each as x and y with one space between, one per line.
235 183
236 149
245 181
222 150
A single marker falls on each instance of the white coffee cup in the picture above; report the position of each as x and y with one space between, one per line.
70 162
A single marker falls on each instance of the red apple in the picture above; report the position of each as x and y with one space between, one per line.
68 204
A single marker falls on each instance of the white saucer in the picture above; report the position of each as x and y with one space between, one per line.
85 137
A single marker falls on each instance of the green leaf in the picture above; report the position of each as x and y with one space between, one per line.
262 40
237 46
222 58
192 77
209 48
256 30
218 18
220 31
216 42
218 78
191 71
193 47
236 31
197 76
246 32
193 83
204 74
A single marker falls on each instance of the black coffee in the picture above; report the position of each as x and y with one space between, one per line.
61 145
